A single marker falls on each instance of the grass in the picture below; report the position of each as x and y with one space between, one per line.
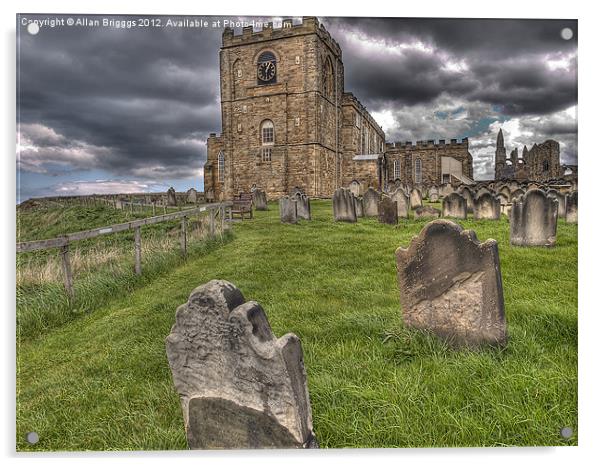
101 381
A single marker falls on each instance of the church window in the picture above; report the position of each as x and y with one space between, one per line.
328 76
221 167
396 170
546 165
418 171
267 140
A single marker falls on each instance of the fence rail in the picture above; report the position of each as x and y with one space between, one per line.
63 242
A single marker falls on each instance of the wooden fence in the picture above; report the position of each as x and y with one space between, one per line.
215 211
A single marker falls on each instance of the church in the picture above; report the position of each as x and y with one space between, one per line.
287 123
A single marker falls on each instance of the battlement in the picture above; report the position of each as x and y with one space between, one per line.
257 31
350 99
427 143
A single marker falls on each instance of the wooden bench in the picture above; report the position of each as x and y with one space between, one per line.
243 204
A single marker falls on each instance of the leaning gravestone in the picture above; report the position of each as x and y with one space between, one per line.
561 198
403 202
191 196
454 206
359 206
370 199
239 386
288 210
486 206
450 284
343 206
533 219
303 208
427 212
387 211
571 207
171 197
260 200
415 198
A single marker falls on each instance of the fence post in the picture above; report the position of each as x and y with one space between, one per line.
66 265
211 223
164 209
183 235
137 252
221 217
154 208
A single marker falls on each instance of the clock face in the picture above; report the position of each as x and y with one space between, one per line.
266 71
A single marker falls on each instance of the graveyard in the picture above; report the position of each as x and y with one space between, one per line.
100 380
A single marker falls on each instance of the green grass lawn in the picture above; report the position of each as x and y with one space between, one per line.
101 380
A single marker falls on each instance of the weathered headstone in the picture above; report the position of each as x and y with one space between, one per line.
533 219
486 206
561 198
447 189
260 200
516 194
481 191
239 386
288 209
343 206
450 284
454 206
359 206
370 199
571 207
505 191
403 202
387 211
467 194
434 194
505 204
171 197
415 198
191 196
303 207
427 211
355 187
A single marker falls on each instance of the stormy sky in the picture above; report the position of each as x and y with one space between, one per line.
114 109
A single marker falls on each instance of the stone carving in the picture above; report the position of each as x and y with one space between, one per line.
533 219
403 202
571 207
454 206
370 199
260 200
450 284
191 196
486 206
427 212
171 197
387 211
303 207
239 386
288 209
343 206
415 198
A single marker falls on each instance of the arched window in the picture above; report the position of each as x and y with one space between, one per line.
396 170
267 140
221 167
328 76
266 68
418 171
546 165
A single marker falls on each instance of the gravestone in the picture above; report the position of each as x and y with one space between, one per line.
303 207
447 189
450 284
171 197
288 209
533 219
482 191
561 198
434 194
403 202
505 204
239 386
355 187
359 206
260 200
191 196
427 211
415 198
505 191
387 211
516 194
486 206
571 207
454 206
343 206
467 194
370 199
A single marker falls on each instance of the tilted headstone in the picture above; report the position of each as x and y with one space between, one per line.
343 206
415 198
288 209
171 197
260 200
561 198
359 206
434 194
387 211
467 194
454 206
533 219
239 386
403 202
370 199
450 284
571 207
486 206
191 196
303 207
427 211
